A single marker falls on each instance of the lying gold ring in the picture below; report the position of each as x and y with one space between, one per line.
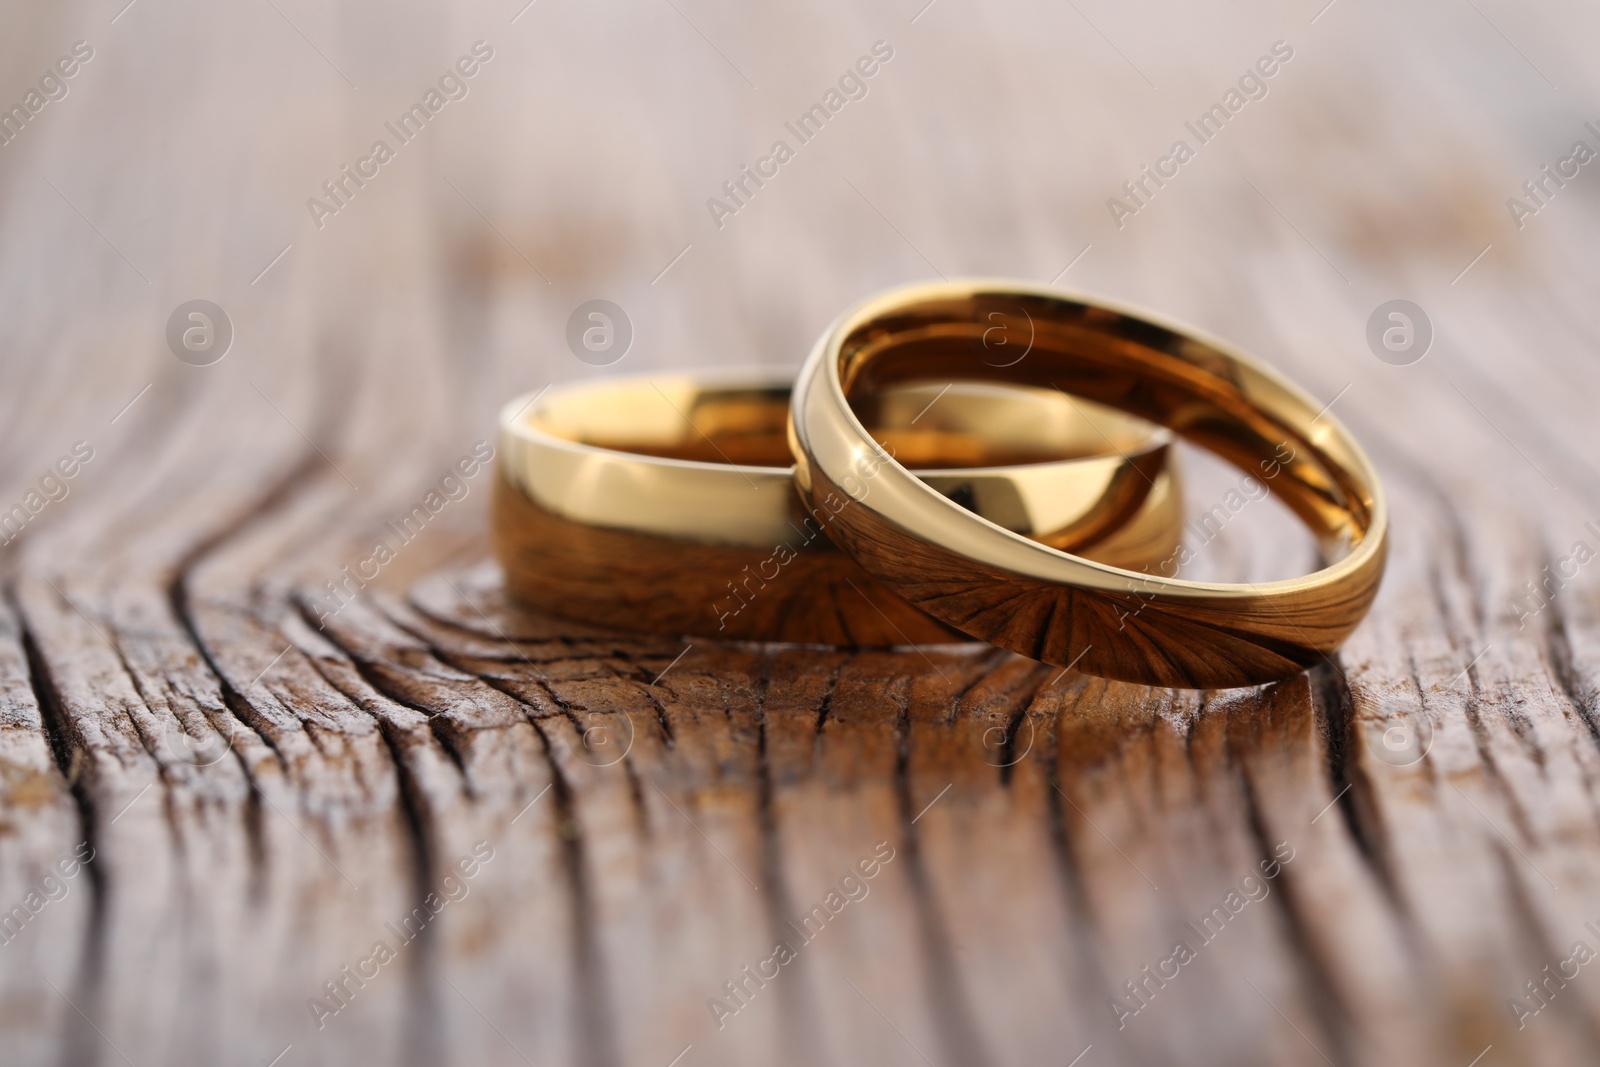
1047 604
667 505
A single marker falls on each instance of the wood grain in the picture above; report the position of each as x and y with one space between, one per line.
1052 835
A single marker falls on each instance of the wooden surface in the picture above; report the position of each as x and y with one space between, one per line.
1051 835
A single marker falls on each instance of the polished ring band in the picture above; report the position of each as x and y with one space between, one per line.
666 505
1045 603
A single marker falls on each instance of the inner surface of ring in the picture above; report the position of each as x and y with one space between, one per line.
960 425
1130 364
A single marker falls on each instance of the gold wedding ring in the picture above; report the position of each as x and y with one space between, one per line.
667 504
1039 600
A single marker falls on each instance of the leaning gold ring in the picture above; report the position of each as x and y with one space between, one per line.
667 505
1045 603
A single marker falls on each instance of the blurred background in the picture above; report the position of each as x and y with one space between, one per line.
580 164
188 158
